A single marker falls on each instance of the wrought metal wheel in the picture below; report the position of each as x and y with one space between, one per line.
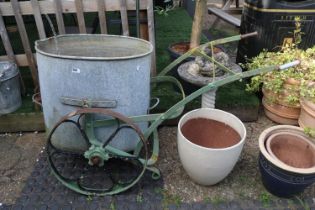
101 169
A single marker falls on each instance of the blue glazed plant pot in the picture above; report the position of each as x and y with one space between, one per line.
280 182
279 178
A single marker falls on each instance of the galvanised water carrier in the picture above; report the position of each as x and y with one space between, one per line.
85 70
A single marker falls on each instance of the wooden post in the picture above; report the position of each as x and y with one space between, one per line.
101 16
25 43
124 17
201 6
150 15
144 33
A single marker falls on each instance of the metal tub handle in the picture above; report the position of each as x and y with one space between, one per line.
88 102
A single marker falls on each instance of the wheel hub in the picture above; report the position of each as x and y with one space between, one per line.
96 156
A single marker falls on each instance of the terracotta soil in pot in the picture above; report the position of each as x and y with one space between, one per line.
210 133
293 152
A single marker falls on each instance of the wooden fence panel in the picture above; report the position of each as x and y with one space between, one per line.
26 43
68 6
60 7
8 49
80 16
124 17
101 16
59 18
38 19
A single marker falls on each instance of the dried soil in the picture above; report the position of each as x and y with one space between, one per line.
210 133
292 151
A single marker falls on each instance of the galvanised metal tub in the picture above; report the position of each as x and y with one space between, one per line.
93 70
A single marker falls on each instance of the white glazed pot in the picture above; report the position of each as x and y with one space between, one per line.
208 166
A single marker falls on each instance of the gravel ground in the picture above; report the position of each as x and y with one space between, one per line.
243 183
18 155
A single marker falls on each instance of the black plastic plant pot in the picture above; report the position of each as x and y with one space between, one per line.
188 87
280 182
175 54
184 47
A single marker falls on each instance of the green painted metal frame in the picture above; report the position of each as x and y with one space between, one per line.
156 119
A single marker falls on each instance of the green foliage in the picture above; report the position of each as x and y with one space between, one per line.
89 198
308 90
265 199
216 200
112 206
163 11
274 81
168 198
139 198
303 204
309 131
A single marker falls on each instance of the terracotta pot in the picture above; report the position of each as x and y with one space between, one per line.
292 81
307 116
290 87
291 149
276 105
281 114
278 177
204 165
281 98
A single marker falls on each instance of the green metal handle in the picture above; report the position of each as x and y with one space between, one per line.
196 49
173 80
213 85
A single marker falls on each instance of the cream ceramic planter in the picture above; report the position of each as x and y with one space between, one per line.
208 166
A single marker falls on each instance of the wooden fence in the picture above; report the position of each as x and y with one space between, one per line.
58 8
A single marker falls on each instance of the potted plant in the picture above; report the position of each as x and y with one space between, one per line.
210 142
281 89
286 160
307 116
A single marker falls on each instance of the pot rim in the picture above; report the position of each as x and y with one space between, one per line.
242 140
274 108
169 48
271 138
306 107
276 129
41 50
